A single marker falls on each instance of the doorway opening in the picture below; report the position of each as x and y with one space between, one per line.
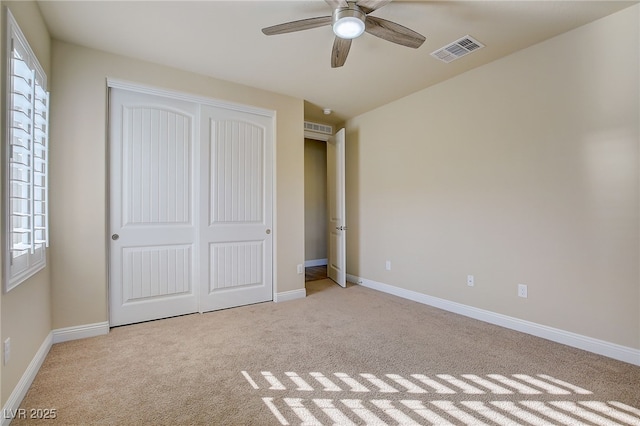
315 209
328 203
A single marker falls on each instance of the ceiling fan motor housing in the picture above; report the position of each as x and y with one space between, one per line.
348 22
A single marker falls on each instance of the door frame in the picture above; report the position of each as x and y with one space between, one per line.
112 83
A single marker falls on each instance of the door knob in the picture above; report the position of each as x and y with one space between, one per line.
115 237
268 231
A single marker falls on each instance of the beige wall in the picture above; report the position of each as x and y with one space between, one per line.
79 173
522 171
26 310
315 199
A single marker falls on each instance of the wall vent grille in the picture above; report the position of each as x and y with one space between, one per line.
457 49
318 128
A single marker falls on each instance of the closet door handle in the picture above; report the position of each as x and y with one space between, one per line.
114 237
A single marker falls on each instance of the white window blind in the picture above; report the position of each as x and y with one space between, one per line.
25 154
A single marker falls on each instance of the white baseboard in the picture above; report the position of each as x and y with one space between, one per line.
10 409
600 347
315 262
80 332
285 296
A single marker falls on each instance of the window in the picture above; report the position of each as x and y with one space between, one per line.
25 154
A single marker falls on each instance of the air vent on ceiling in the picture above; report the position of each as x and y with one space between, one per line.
457 49
318 128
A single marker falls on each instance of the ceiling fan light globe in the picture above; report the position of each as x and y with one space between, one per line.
348 22
348 27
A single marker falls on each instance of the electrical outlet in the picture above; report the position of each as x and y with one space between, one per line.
522 290
300 269
387 265
7 350
470 280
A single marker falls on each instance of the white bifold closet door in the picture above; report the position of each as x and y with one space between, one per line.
190 207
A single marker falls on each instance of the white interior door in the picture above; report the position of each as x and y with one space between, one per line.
236 208
337 264
152 209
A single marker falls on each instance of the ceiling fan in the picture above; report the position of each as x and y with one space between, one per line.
349 20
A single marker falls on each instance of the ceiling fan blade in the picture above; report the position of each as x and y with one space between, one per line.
303 24
369 6
393 32
340 51
335 4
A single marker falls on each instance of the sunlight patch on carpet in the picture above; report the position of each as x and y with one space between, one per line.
416 399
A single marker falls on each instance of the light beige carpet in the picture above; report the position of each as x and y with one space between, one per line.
340 356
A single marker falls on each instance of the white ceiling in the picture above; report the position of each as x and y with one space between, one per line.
222 39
